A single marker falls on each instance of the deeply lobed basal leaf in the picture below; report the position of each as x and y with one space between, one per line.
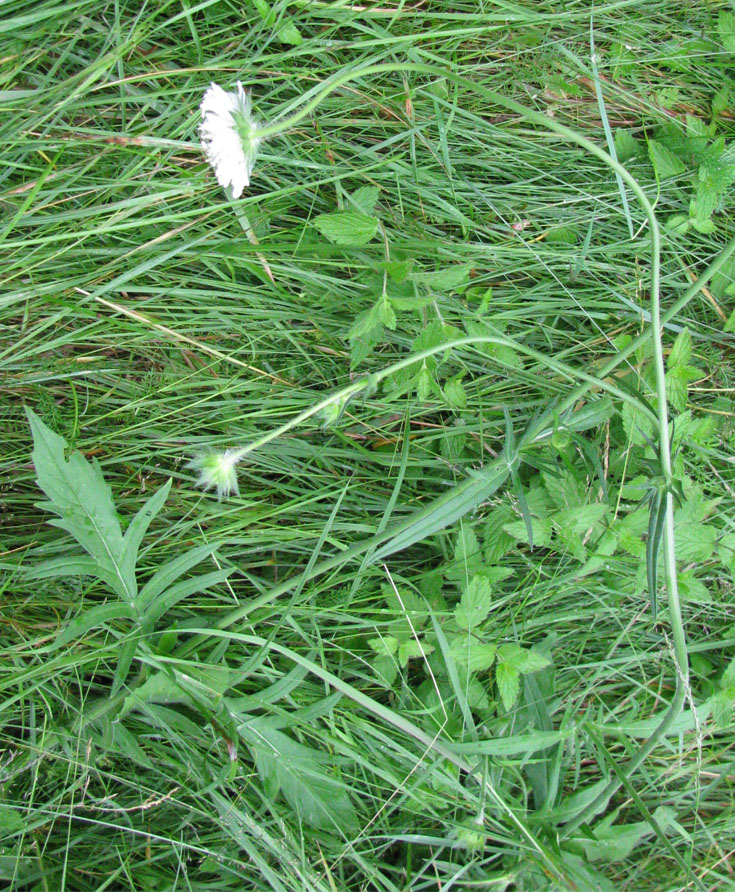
81 498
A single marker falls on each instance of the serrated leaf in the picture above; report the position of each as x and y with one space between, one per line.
467 556
636 425
726 29
289 34
386 314
474 605
700 220
365 198
502 354
446 279
495 539
518 531
82 500
721 705
349 229
410 649
385 669
579 520
473 655
509 684
681 351
384 646
454 393
367 323
695 542
721 100
626 145
398 270
678 224
665 162
564 490
298 772
426 385
521 659
693 589
728 676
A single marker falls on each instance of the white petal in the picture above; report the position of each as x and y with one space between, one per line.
231 154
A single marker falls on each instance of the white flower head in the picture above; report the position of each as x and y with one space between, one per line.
229 135
217 470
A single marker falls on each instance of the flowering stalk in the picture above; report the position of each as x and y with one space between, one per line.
680 649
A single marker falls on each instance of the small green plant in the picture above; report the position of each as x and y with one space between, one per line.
460 640
82 501
78 494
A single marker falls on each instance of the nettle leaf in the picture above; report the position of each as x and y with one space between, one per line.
681 351
474 605
398 270
508 680
467 556
365 198
81 498
299 773
496 541
412 648
406 605
521 659
726 29
518 531
384 646
665 162
385 669
695 542
693 589
289 34
579 520
721 705
626 145
503 354
446 279
454 393
636 425
473 655
728 677
386 313
349 229
564 490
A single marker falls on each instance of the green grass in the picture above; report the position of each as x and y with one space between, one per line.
310 722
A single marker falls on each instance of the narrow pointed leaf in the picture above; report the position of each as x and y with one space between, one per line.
95 616
124 661
167 599
166 575
138 527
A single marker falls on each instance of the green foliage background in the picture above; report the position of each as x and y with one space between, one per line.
194 699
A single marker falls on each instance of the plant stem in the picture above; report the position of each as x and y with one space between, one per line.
680 648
